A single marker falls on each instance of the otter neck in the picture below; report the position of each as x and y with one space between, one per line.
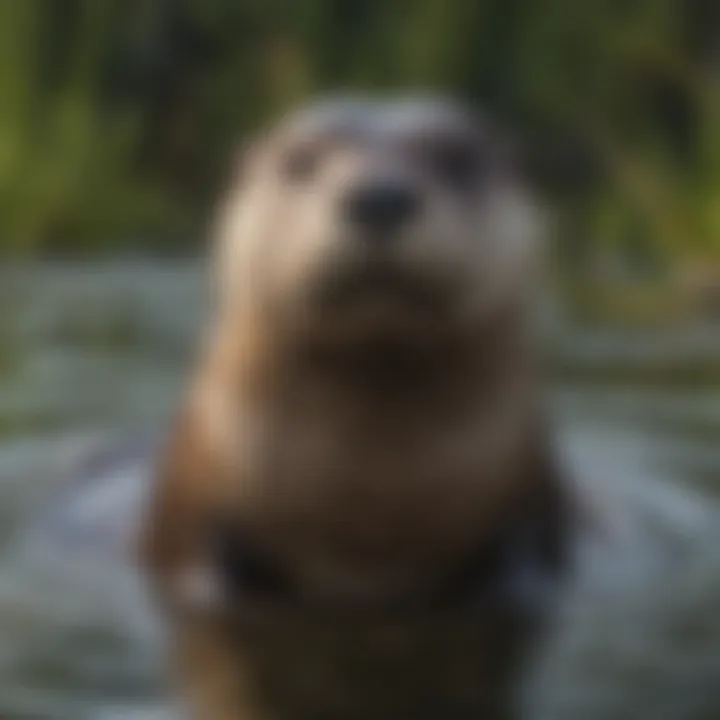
382 373
376 462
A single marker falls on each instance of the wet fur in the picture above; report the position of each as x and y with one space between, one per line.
385 481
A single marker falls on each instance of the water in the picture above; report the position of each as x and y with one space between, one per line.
92 360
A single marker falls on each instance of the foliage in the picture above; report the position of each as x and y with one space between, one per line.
117 116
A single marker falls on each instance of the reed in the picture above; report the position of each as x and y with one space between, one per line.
633 85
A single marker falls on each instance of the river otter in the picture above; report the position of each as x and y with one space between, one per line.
358 514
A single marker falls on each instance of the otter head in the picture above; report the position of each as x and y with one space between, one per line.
356 217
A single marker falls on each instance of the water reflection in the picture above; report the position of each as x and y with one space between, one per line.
89 354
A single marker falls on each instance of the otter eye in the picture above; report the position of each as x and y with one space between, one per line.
300 164
457 165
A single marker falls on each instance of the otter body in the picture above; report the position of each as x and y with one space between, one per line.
358 511
300 665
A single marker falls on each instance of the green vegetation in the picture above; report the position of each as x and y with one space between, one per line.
117 116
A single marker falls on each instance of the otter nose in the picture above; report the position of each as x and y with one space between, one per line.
381 205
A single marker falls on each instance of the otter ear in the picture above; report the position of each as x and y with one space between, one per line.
244 158
240 161
513 155
502 144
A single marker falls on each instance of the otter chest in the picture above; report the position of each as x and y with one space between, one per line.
382 487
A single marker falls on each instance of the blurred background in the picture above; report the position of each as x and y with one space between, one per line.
117 119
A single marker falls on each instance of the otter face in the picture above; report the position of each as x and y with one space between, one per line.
357 216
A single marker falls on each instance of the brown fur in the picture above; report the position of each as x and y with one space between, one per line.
378 475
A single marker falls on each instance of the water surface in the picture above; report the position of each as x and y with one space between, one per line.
94 355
